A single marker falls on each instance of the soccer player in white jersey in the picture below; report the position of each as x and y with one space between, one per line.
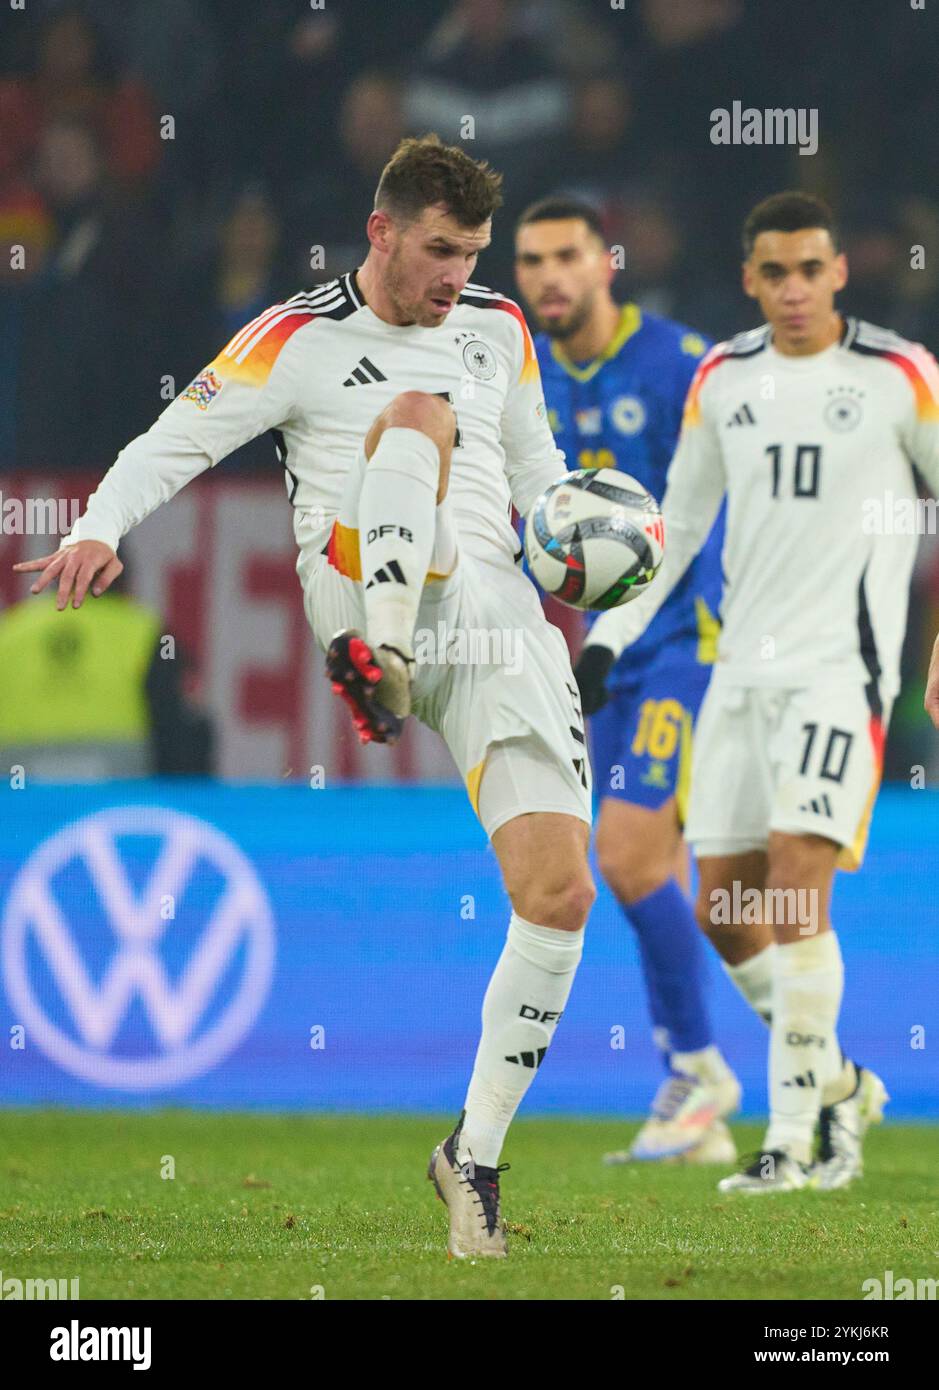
407 411
806 424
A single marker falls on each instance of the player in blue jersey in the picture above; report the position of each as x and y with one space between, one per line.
615 380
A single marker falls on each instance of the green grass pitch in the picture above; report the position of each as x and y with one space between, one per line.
338 1207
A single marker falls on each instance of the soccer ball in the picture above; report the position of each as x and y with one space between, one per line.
595 538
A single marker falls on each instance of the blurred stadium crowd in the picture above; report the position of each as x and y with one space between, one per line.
171 168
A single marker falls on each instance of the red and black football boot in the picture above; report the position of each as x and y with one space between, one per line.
375 684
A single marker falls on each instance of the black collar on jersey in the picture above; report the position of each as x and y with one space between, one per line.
352 285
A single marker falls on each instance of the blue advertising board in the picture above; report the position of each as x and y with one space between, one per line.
243 947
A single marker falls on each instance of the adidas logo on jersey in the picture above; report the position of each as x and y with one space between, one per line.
820 805
744 416
388 574
365 374
806 1081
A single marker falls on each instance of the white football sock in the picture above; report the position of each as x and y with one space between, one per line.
842 1084
397 520
526 997
754 979
804 1054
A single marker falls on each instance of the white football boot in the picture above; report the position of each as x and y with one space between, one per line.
770 1171
684 1123
471 1195
717 1146
842 1128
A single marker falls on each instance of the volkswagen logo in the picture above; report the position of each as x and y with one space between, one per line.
137 947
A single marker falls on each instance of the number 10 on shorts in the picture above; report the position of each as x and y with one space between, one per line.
834 760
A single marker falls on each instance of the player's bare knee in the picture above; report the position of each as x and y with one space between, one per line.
636 847
419 410
422 410
728 939
564 904
630 871
710 911
571 906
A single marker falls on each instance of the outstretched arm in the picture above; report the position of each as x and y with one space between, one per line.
246 390
692 500
150 470
920 435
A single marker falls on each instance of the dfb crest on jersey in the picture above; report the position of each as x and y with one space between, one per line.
479 360
628 414
843 411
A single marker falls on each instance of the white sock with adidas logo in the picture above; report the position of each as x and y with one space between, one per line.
754 979
526 997
397 521
804 1054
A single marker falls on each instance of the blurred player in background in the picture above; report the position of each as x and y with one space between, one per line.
99 696
615 381
808 424
407 411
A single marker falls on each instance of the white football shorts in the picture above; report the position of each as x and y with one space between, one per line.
491 669
803 762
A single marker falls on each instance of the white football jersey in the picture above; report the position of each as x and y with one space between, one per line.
815 455
316 371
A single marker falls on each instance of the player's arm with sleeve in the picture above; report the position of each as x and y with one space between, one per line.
920 436
246 390
693 495
532 459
